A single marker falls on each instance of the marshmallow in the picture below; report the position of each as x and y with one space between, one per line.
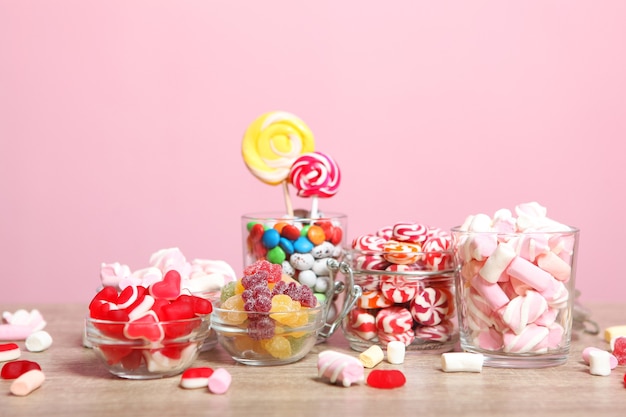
587 352
38 341
20 324
340 368
219 381
599 363
462 362
531 274
555 265
395 352
612 332
27 382
372 356
496 264
9 352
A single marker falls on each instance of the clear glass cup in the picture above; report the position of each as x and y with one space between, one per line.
515 295
301 244
413 302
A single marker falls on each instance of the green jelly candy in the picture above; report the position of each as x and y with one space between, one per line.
228 291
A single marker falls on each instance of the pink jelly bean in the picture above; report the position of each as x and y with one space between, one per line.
219 381
386 378
14 369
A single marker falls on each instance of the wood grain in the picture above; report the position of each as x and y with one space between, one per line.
78 385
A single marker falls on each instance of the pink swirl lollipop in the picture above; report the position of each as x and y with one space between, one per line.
315 174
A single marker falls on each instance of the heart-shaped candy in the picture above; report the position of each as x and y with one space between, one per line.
145 327
168 288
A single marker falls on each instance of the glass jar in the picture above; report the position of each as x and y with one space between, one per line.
412 301
515 294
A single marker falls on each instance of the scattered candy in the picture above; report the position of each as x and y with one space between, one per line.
20 324
612 332
219 381
386 378
27 382
9 352
38 341
599 363
372 356
195 377
13 369
462 362
340 368
586 352
395 352
619 349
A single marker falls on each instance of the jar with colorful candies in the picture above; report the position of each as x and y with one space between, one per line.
406 274
301 245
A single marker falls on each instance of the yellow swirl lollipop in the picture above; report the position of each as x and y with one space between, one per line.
272 143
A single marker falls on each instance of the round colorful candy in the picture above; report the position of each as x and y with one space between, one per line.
394 319
431 306
409 232
315 174
401 252
398 288
369 243
362 323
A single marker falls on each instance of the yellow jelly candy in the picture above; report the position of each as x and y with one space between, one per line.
278 346
237 315
287 311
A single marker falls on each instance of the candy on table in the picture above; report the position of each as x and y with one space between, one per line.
219 381
386 378
462 362
270 146
15 368
513 283
20 324
396 352
599 363
193 378
27 382
38 341
619 349
9 352
372 356
612 332
340 368
316 175
587 351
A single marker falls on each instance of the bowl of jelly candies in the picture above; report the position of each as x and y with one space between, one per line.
266 317
147 333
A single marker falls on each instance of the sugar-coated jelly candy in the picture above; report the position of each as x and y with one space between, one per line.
386 378
14 369
619 350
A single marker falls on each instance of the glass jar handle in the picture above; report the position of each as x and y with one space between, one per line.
353 293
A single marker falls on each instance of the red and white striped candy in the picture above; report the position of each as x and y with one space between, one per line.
398 288
430 306
437 255
407 337
532 339
385 232
401 252
362 323
195 377
438 333
394 320
410 232
373 299
371 262
315 174
369 243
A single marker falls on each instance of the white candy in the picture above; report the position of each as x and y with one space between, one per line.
307 278
496 264
462 362
38 341
395 352
372 356
600 363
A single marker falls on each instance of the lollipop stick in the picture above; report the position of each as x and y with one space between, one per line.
314 209
287 199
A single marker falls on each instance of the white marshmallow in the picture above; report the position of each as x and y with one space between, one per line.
600 363
395 352
497 263
462 362
38 341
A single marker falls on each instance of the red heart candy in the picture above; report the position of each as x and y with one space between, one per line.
131 296
114 354
132 360
168 288
105 294
386 378
145 327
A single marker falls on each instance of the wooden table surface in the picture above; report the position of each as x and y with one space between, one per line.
77 384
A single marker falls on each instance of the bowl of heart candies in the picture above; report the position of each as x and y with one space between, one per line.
147 332
266 317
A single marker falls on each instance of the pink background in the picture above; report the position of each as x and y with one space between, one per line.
121 124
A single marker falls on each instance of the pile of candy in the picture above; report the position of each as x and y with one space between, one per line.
199 277
301 247
515 273
266 312
156 325
27 375
405 272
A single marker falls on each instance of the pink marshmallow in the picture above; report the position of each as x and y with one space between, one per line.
555 265
523 310
531 274
492 293
219 381
587 352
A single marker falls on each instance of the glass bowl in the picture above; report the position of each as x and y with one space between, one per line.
147 350
272 338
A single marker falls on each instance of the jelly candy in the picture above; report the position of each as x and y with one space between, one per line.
195 377
278 346
14 369
386 378
619 350
168 288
